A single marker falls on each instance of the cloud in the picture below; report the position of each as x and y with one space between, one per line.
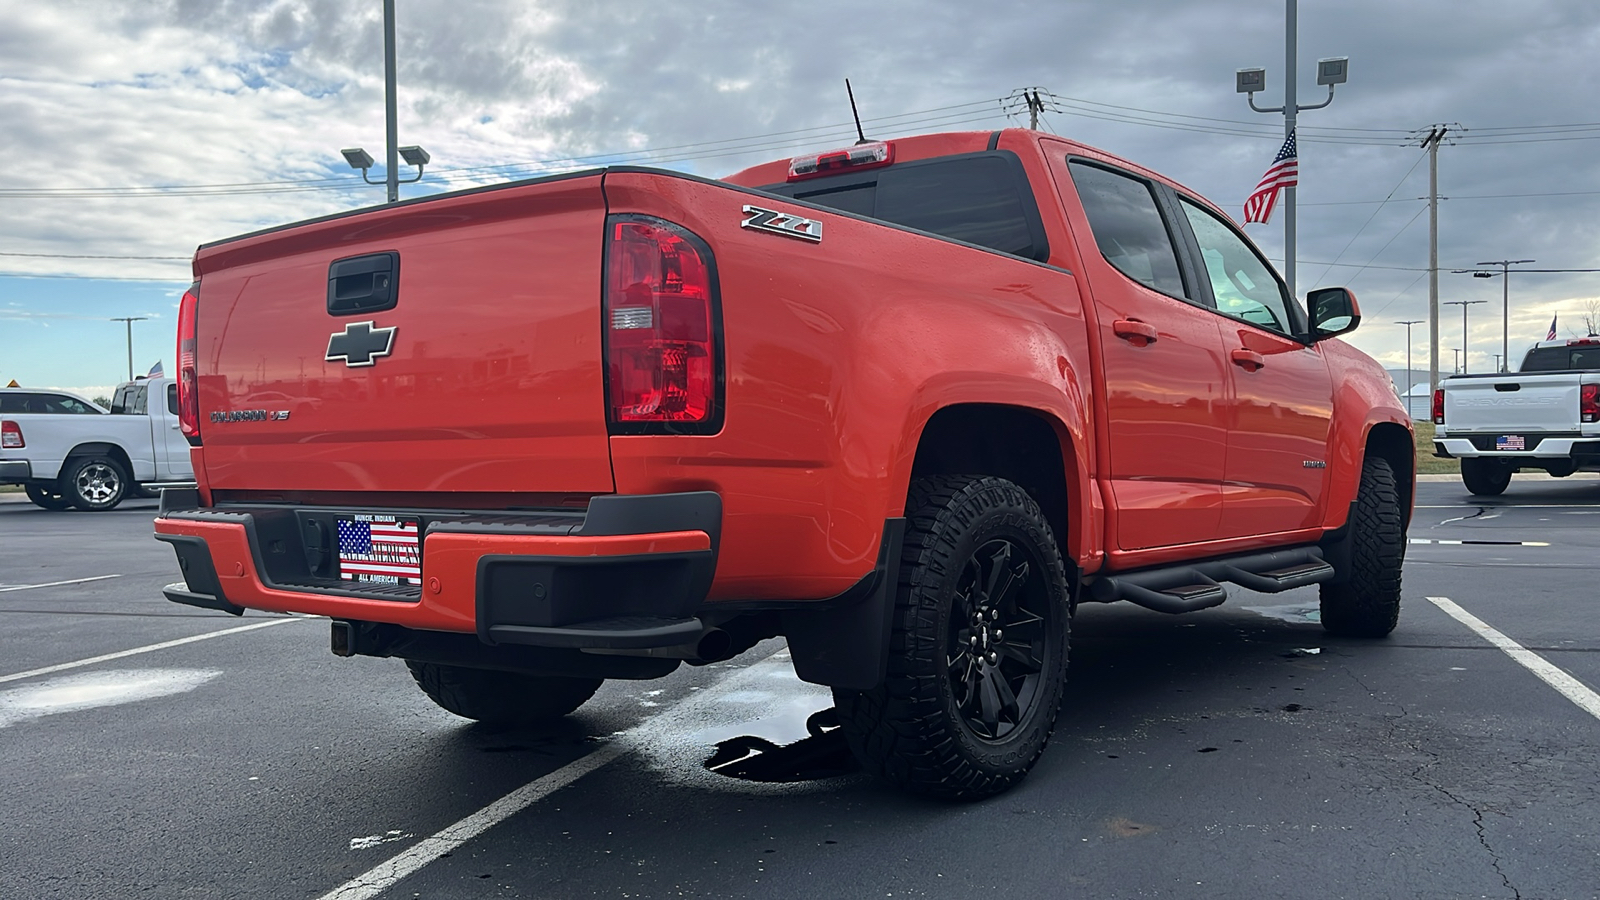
254 93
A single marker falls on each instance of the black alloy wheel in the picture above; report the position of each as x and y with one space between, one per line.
997 638
977 646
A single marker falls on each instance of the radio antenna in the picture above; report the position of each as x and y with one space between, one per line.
859 133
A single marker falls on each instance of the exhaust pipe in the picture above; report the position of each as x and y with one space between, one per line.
713 645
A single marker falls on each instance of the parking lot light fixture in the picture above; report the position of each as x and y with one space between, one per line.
360 159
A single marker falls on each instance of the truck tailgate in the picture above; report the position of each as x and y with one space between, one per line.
492 381
1510 403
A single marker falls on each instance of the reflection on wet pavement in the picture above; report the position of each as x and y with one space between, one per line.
823 753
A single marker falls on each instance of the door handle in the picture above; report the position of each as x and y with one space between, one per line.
1248 360
1134 331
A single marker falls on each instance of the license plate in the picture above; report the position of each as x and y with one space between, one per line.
1510 442
380 549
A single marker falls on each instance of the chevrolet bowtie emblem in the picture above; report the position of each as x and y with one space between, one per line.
360 344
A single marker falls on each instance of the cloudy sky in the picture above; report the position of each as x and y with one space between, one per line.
133 132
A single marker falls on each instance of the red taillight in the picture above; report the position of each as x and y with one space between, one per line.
188 386
11 436
660 326
1438 407
861 156
1589 403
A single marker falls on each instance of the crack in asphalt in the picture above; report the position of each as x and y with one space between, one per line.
1481 511
1431 759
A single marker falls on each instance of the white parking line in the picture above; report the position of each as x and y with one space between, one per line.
386 874
1569 687
29 587
1480 543
137 650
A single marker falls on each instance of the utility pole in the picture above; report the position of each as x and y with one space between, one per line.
392 120
129 320
1430 143
1330 71
1035 106
1464 342
1408 323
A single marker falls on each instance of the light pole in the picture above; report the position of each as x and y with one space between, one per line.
1505 301
1464 342
129 320
414 155
1330 72
1408 323
1457 352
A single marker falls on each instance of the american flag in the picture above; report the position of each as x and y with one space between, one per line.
381 549
1552 335
1284 172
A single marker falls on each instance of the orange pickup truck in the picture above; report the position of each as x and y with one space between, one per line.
905 404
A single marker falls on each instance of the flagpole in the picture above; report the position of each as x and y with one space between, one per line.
1291 97
1331 71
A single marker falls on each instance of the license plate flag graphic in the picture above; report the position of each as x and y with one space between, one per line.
379 549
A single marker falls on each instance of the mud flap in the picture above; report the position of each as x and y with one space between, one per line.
846 643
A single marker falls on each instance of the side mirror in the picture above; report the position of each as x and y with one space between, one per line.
1333 312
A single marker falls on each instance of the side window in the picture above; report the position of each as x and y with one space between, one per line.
121 399
172 399
1242 283
139 396
15 403
71 405
1128 227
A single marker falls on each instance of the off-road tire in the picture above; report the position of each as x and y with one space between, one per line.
1366 603
1485 477
46 498
502 698
94 483
913 729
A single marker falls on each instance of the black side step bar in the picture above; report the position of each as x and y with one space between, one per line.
1193 586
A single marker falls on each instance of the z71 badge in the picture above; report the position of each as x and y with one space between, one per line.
785 224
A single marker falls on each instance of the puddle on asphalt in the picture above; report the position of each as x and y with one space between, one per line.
92 690
822 753
773 734
1297 613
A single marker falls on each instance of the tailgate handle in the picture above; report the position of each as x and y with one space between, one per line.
364 284
1508 386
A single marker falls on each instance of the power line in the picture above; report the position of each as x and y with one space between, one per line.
1364 225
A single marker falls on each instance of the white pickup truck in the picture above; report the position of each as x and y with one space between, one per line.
66 451
1544 416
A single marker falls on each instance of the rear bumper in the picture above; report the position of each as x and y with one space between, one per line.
15 471
1541 449
627 573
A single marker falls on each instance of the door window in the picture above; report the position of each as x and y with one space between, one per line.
172 398
1128 227
1242 283
44 403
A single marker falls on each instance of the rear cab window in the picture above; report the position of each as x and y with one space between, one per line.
1562 359
977 198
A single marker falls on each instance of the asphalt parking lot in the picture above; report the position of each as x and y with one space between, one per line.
1236 752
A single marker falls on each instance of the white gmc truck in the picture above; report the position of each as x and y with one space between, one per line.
68 452
1544 416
